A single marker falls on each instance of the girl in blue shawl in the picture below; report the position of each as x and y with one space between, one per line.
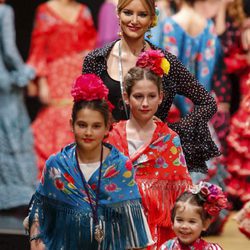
87 197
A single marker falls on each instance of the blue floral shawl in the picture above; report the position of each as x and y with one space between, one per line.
64 212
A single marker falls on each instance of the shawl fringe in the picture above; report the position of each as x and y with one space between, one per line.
63 226
159 198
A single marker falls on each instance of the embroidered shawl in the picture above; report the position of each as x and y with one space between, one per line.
64 212
161 171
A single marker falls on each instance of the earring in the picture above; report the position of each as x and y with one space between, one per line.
119 33
149 34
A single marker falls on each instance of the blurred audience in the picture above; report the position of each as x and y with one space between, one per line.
17 161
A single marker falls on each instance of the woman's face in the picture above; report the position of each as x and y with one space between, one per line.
135 19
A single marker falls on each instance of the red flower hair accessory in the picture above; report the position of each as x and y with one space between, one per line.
89 87
155 61
212 195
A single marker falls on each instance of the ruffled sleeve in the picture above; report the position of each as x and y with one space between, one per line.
193 130
37 56
19 73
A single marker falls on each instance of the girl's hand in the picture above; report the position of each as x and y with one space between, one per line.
43 91
37 245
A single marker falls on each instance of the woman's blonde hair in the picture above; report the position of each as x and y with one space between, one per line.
123 3
236 11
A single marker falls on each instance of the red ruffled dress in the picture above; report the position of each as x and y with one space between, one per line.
57 50
238 160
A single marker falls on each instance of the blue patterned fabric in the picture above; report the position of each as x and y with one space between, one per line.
17 162
64 212
197 53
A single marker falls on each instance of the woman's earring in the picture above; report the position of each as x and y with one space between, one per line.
119 33
149 34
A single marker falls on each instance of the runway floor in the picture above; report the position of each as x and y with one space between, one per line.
231 238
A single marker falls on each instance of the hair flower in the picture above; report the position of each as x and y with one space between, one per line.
89 87
155 61
165 65
212 195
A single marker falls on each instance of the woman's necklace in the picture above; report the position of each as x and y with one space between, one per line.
99 234
121 76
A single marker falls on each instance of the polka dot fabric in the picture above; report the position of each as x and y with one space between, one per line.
196 140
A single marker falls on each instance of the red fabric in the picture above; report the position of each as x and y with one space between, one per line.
161 175
238 159
54 38
57 50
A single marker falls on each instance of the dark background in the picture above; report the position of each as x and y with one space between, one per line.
24 18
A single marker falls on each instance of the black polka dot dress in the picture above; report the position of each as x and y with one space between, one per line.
196 140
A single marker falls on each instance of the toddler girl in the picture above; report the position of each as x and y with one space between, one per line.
192 214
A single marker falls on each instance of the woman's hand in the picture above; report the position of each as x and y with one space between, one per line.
32 89
43 91
245 39
245 34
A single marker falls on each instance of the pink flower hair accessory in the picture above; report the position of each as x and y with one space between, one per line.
89 87
155 61
212 195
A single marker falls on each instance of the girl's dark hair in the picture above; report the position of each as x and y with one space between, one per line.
96 105
137 74
192 199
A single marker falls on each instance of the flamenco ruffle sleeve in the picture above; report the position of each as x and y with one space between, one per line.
193 130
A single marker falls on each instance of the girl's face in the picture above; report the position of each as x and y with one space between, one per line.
188 224
135 19
144 100
89 129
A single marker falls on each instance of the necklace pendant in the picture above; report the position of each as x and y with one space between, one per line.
99 234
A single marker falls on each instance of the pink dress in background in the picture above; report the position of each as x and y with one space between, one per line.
108 26
57 50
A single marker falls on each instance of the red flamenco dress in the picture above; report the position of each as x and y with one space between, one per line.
239 136
57 49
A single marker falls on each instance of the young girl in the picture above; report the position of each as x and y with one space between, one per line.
154 148
87 197
192 214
